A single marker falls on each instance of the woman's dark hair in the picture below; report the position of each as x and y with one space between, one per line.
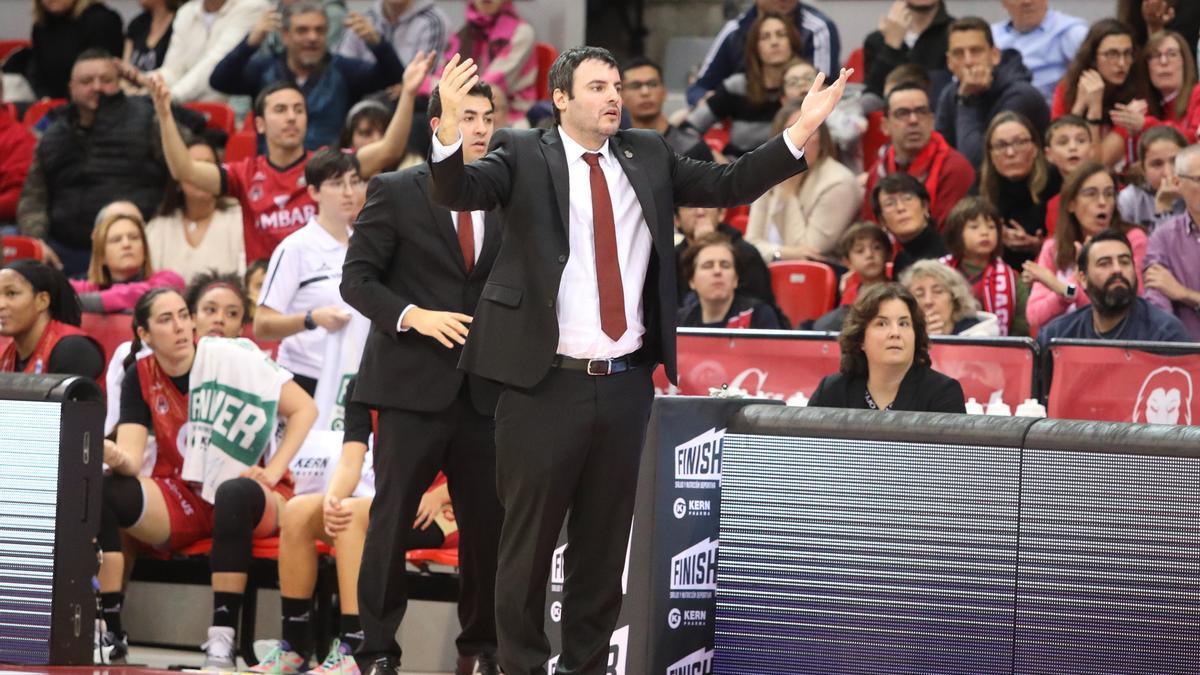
141 319
966 210
209 279
989 177
173 199
756 88
329 163
1086 57
373 112
863 312
64 302
898 183
1069 230
687 261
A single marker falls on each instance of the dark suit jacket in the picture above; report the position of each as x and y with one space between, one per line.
923 389
524 177
405 251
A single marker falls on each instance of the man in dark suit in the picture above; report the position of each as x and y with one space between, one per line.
416 271
579 308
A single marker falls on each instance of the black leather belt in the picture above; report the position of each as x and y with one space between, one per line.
599 366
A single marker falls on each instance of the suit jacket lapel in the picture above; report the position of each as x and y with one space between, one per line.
641 185
556 161
440 217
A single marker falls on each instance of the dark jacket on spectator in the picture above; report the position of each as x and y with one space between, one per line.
1145 323
328 95
77 171
58 40
929 52
745 312
923 389
726 56
929 244
16 153
963 122
1015 203
753 277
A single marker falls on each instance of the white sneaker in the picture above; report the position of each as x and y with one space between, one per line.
219 653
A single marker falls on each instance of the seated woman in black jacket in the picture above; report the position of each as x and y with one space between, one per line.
710 268
885 359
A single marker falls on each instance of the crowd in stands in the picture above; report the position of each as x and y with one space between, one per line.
1038 176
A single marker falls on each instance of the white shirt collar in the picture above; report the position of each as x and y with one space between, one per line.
575 151
324 240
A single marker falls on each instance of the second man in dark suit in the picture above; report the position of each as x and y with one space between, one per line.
416 270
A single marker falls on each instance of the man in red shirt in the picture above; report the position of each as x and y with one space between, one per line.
919 151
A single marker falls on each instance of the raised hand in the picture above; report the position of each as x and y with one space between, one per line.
268 23
817 105
160 94
362 28
457 79
895 23
417 70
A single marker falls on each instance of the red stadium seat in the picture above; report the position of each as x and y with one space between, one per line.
803 289
874 139
248 123
110 330
38 110
739 221
856 62
545 54
217 115
266 548
7 47
241 145
717 137
17 246
427 558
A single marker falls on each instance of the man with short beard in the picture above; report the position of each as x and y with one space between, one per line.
1106 272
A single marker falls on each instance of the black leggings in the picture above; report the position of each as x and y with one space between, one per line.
120 508
237 508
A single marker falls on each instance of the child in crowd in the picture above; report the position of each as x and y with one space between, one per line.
865 250
976 250
1154 198
256 272
1069 143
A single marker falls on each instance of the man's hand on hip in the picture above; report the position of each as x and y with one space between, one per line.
457 79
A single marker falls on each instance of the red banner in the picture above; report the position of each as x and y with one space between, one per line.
1121 385
779 368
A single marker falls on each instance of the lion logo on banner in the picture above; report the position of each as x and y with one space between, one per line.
1165 397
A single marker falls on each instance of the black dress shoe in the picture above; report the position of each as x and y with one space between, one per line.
384 665
484 664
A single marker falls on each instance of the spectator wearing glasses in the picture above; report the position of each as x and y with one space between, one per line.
643 94
1173 256
1171 72
1156 196
1104 86
919 151
912 31
1018 183
1087 208
901 204
986 83
1106 273
1046 38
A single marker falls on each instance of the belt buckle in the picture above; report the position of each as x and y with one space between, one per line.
606 363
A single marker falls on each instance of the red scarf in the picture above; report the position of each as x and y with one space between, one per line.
995 289
169 410
925 167
39 360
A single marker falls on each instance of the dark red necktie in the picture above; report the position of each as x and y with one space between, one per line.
466 238
608 268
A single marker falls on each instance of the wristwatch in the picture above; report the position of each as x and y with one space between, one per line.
309 322
777 256
1070 292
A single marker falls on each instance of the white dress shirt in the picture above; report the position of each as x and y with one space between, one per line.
477 221
578 305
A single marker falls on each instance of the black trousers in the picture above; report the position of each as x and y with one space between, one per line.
573 442
410 449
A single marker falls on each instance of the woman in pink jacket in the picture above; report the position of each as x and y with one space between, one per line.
501 42
1088 206
120 270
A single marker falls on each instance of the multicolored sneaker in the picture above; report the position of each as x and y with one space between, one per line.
339 662
281 660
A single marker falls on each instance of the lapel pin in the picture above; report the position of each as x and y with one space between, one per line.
628 155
